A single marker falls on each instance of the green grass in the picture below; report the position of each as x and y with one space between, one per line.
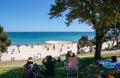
10 72
88 67
85 70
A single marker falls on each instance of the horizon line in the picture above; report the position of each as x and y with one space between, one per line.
49 31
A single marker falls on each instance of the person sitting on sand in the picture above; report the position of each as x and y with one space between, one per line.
49 63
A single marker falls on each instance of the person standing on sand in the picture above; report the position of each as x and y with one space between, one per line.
78 48
53 46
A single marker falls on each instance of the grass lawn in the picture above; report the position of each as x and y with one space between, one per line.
88 67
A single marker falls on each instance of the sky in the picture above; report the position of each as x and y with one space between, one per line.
32 16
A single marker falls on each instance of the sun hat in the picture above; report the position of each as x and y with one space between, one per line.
30 59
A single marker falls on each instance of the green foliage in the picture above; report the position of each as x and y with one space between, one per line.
4 40
98 13
113 32
83 41
1 29
89 11
107 37
92 42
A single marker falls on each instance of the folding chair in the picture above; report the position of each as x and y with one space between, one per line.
71 67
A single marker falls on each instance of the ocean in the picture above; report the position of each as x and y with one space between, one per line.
40 37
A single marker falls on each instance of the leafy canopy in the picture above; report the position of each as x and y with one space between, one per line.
101 14
4 40
92 12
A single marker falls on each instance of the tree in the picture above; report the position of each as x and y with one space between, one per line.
4 40
92 42
98 13
83 41
114 33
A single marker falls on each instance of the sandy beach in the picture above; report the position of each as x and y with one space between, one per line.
54 48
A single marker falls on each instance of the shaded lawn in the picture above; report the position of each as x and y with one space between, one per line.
10 72
88 68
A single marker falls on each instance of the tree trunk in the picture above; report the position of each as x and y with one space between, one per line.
117 41
116 37
99 38
113 42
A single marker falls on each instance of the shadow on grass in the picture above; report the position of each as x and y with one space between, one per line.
88 68
11 72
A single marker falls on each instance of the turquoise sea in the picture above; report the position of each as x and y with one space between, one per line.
41 37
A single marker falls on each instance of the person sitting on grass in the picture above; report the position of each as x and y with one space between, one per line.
114 58
72 61
59 59
49 63
36 71
27 69
73 55
68 55
31 70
